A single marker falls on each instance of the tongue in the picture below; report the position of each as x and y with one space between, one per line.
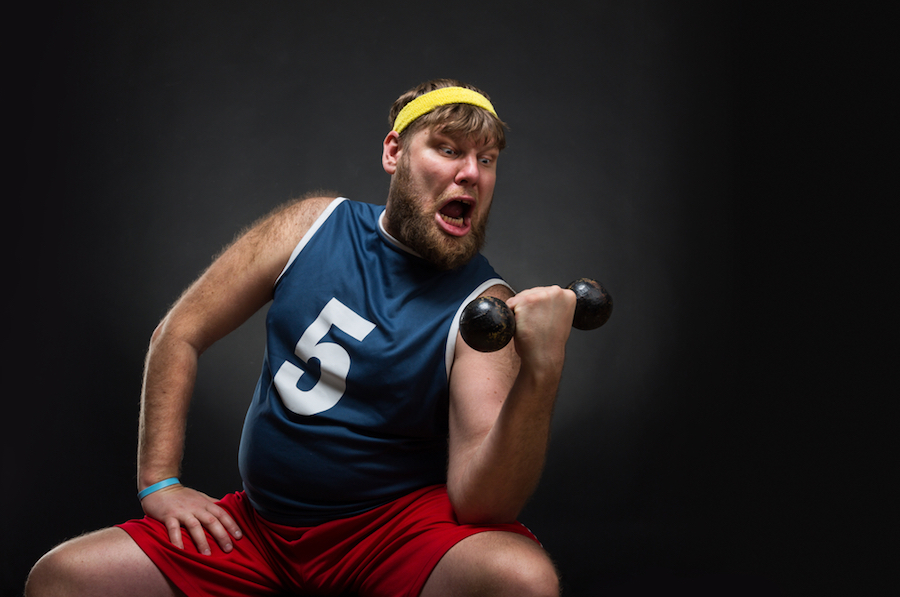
454 209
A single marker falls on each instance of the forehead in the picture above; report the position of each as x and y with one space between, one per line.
439 134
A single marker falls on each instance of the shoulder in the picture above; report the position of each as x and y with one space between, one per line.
266 244
283 227
292 219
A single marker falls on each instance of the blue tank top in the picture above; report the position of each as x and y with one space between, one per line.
351 407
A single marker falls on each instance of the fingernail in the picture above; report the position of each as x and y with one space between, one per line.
227 547
237 535
207 552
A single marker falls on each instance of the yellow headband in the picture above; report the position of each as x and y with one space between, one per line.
427 102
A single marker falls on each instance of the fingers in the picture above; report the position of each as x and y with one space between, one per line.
212 522
194 513
543 322
549 305
174 528
220 525
195 529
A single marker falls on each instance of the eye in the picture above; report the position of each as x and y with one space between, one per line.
488 160
448 151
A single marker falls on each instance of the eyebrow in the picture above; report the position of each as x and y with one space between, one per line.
487 144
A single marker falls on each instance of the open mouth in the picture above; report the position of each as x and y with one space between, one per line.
456 213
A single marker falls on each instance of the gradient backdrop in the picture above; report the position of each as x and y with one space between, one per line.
156 131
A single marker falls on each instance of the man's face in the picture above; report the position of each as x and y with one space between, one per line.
440 195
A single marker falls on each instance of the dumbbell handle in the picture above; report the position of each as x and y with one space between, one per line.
487 324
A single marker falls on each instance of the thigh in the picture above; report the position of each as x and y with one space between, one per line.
106 562
391 550
494 563
252 567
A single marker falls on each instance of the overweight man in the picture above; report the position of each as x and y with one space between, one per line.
380 456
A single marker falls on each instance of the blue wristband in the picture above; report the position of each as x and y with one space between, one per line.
157 486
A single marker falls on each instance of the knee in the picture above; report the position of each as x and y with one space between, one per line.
530 574
494 563
66 569
48 575
104 562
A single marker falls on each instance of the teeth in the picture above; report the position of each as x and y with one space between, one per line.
452 221
455 212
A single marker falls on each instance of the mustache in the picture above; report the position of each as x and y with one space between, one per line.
412 223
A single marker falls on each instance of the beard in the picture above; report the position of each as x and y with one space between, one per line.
413 225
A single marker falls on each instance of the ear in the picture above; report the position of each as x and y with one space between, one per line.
390 154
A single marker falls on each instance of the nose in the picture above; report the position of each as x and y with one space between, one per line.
468 172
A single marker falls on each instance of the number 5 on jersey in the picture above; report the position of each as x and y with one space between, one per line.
334 360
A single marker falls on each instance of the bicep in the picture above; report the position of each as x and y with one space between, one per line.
479 385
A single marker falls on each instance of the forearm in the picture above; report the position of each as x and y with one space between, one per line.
169 376
500 474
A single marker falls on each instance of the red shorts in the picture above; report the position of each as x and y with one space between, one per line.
386 552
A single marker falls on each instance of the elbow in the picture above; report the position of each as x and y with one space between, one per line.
484 516
482 509
157 332
172 331
162 335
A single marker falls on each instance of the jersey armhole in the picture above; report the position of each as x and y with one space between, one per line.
454 325
309 234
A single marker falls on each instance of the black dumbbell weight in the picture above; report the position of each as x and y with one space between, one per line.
487 324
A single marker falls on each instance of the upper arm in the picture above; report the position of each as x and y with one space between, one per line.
479 384
241 280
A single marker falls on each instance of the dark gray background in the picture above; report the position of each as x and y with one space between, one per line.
649 148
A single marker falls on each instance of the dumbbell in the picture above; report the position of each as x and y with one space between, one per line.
487 324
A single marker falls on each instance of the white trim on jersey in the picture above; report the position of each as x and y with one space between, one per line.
454 325
393 240
309 233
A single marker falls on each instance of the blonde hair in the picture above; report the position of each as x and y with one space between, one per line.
457 120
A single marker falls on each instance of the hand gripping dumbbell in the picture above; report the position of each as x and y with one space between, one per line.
487 324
